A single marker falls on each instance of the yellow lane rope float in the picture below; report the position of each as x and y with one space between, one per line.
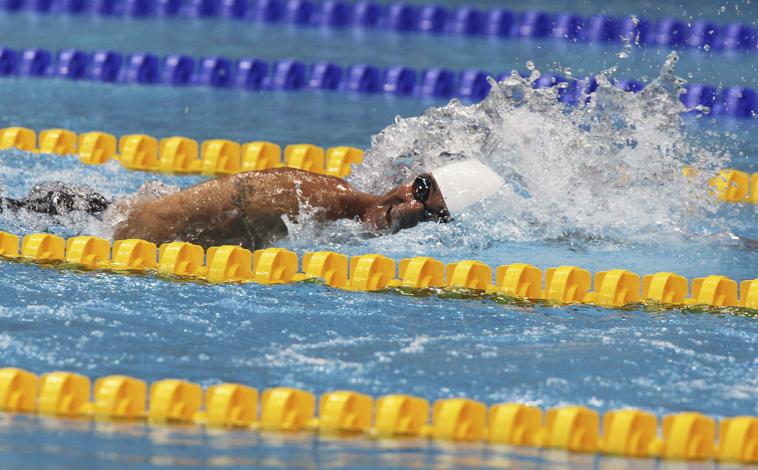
625 432
371 272
182 155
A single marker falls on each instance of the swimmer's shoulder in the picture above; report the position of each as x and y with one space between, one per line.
291 174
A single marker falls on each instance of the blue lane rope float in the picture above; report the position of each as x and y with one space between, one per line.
346 413
291 75
430 19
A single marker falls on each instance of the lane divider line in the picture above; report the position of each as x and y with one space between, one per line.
182 155
562 285
433 19
291 75
626 432
733 186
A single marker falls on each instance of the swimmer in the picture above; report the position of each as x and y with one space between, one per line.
247 209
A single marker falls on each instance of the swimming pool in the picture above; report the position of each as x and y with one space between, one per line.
320 339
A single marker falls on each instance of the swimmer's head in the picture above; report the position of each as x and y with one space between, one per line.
408 205
434 196
465 183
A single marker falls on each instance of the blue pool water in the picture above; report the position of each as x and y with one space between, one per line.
582 191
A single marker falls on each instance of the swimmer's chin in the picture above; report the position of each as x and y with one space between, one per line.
377 220
389 220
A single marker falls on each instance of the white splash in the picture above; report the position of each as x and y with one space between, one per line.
612 168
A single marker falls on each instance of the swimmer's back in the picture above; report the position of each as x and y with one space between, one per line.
245 208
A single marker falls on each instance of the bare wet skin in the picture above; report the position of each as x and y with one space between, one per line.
247 209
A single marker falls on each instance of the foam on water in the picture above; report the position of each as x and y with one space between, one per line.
23 174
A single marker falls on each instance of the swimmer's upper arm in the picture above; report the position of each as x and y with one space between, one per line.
145 222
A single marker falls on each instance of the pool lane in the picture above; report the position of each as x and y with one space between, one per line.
322 118
345 47
320 339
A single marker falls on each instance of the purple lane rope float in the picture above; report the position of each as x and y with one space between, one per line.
292 75
430 19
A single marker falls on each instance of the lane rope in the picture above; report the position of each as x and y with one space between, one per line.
626 432
182 155
616 288
291 75
704 35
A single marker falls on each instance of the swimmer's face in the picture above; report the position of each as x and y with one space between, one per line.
407 205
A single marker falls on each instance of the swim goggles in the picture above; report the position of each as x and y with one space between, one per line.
422 188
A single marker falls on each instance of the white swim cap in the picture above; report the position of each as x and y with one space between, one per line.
465 183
